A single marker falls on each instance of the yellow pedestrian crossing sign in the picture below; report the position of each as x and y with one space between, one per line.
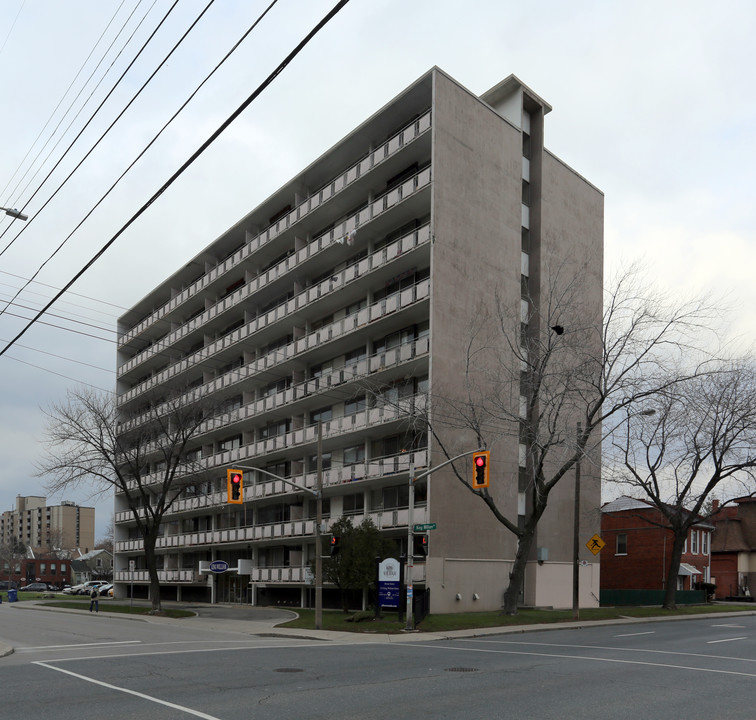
595 544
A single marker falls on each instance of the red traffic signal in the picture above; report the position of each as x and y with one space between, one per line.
480 476
235 482
335 545
420 545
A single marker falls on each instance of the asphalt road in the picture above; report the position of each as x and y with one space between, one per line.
74 665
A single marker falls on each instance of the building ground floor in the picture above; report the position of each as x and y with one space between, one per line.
454 584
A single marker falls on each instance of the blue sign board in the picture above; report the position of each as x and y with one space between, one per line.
388 583
218 566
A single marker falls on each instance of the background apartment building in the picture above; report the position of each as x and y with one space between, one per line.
347 297
41 526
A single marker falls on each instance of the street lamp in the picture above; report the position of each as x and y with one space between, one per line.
576 522
14 213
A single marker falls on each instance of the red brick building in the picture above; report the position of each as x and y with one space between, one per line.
639 544
49 569
733 548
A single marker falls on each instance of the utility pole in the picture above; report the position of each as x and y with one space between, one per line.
318 533
410 626
576 535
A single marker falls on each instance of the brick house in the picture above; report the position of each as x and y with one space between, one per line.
38 567
733 548
639 544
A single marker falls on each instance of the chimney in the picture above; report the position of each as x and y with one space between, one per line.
714 505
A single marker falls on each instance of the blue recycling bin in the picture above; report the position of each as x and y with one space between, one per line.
12 595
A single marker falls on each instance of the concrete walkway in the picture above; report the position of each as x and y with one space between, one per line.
262 621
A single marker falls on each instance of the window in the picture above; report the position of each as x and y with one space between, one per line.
312 462
354 504
275 428
323 414
621 544
354 406
704 543
354 454
230 443
694 542
276 387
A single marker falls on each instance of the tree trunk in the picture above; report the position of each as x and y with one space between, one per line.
670 592
517 575
150 559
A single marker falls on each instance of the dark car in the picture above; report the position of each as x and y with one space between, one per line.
34 587
8 585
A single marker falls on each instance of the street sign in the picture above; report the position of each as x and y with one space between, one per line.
424 527
595 544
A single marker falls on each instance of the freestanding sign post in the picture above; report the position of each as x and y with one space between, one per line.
389 592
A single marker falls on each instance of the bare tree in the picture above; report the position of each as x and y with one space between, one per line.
144 457
702 435
557 380
12 554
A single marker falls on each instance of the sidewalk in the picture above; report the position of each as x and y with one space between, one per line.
269 618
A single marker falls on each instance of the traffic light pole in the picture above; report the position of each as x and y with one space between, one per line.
410 626
318 494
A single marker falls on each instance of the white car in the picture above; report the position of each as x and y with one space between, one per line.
73 590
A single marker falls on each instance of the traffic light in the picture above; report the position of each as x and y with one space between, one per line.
420 545
335 545
235 481
480 470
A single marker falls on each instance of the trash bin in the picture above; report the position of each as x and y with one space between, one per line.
12 595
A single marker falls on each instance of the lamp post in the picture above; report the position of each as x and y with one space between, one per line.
11 212
576 521
318 495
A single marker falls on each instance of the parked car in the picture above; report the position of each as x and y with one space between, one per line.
86 588
105 590
35 587
73 589
8 585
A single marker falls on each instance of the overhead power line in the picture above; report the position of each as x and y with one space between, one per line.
329 16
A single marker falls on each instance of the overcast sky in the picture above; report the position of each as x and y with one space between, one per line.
652 102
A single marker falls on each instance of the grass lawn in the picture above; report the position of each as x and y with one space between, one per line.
340 621
110 606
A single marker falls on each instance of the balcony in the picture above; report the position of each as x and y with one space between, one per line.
390 519
316 199
375 261
399 301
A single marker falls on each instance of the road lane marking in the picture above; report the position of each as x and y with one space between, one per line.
729 626
586 657
613 648
650 632
80 645
712 642
181 708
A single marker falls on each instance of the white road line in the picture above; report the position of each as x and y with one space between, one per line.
650 632
182 708
586 657
712 642
729 626
614 648
80 645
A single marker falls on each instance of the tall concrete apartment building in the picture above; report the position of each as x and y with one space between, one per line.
42 526
347 297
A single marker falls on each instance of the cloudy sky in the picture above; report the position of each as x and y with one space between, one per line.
653 102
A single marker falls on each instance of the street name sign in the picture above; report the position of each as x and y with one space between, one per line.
424 527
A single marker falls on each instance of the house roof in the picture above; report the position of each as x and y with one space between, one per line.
728 537
624 503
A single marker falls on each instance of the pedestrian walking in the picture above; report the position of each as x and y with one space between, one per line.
95 600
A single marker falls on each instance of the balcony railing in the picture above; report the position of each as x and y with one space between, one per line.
390 519
399 301
416 128
376 260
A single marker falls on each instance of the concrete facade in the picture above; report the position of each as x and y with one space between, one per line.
42 526
349 296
